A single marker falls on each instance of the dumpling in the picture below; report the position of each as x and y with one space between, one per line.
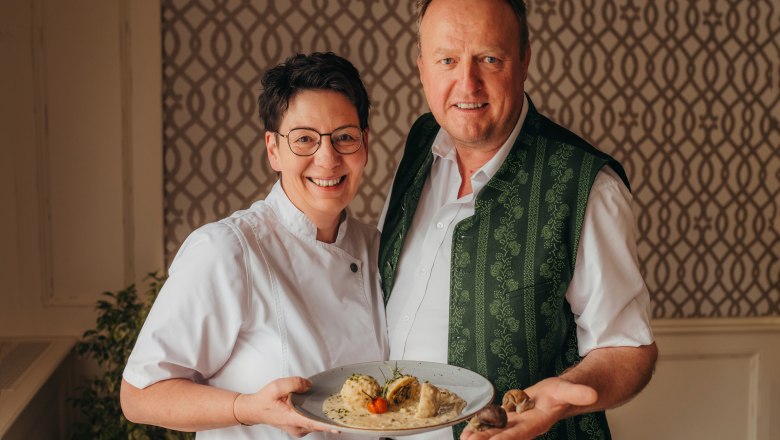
402 389
449 401
358 390
429 401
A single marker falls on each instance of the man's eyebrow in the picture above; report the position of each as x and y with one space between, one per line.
442 50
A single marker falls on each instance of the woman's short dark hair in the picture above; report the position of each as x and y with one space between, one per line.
317 71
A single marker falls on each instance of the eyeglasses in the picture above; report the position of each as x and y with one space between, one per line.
305 141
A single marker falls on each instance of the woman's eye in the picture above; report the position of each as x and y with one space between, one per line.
304 140
345 138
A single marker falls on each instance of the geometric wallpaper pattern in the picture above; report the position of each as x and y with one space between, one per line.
685 94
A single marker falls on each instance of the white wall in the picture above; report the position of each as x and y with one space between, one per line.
716 379
81 158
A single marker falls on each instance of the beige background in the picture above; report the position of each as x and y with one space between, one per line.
684 94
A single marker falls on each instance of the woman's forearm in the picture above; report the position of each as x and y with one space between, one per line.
179 404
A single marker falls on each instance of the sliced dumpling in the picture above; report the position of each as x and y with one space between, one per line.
449 401
402 389
358 390
429 401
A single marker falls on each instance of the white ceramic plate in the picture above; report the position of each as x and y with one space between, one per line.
470 386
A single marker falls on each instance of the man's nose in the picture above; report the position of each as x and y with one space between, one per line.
470 76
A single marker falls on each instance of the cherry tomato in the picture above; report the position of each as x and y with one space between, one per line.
377 405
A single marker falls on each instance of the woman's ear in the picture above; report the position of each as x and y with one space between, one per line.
272 147
365 143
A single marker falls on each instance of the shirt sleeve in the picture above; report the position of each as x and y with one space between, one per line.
194 323
608 295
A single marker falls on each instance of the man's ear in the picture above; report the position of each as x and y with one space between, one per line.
526 61
272 147
419 65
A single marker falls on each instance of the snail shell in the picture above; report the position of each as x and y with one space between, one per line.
491 416
517 401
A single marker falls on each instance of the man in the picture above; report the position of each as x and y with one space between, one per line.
508 243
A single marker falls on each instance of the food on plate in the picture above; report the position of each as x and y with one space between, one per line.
358 390
402 402
403 388
434 400
491 416
429 401
377 405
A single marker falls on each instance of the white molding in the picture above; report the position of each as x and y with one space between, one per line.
147 136
42 148
126 77
753 359
754 396
694 326
740 351
52 296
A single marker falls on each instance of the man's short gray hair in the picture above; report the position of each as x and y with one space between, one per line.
518 6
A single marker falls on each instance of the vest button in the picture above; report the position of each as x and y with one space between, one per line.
353 267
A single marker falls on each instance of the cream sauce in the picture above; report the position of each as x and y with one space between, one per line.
398 417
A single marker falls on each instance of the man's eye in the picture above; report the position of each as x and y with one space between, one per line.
490 60
447 61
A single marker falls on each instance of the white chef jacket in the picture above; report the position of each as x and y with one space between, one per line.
607 294
256 297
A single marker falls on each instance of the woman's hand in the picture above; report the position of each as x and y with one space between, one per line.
271 406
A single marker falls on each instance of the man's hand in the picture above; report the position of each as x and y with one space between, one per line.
553 399
605 378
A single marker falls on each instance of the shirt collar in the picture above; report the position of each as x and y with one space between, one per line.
444 148
294 220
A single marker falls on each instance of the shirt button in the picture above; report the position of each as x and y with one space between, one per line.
406 317
423 271
440 225
353 267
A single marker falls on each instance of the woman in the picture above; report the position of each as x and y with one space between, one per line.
274 293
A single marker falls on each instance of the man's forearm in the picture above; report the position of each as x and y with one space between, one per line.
616 373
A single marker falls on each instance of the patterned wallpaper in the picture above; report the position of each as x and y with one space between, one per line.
684 93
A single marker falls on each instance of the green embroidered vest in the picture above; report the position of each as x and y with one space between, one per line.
513 260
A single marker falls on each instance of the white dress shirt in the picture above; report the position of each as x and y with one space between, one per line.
607 294
256 297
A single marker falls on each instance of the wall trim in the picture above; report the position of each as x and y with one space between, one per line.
126 77
715 343
52 296
716 325
43 189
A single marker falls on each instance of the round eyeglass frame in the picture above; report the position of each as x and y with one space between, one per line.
319 142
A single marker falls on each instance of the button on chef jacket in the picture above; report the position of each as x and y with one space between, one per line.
256 297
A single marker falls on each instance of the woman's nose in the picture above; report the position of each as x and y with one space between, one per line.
326 155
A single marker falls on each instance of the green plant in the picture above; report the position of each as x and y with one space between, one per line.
120 317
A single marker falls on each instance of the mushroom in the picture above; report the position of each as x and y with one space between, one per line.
491 416
517 401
